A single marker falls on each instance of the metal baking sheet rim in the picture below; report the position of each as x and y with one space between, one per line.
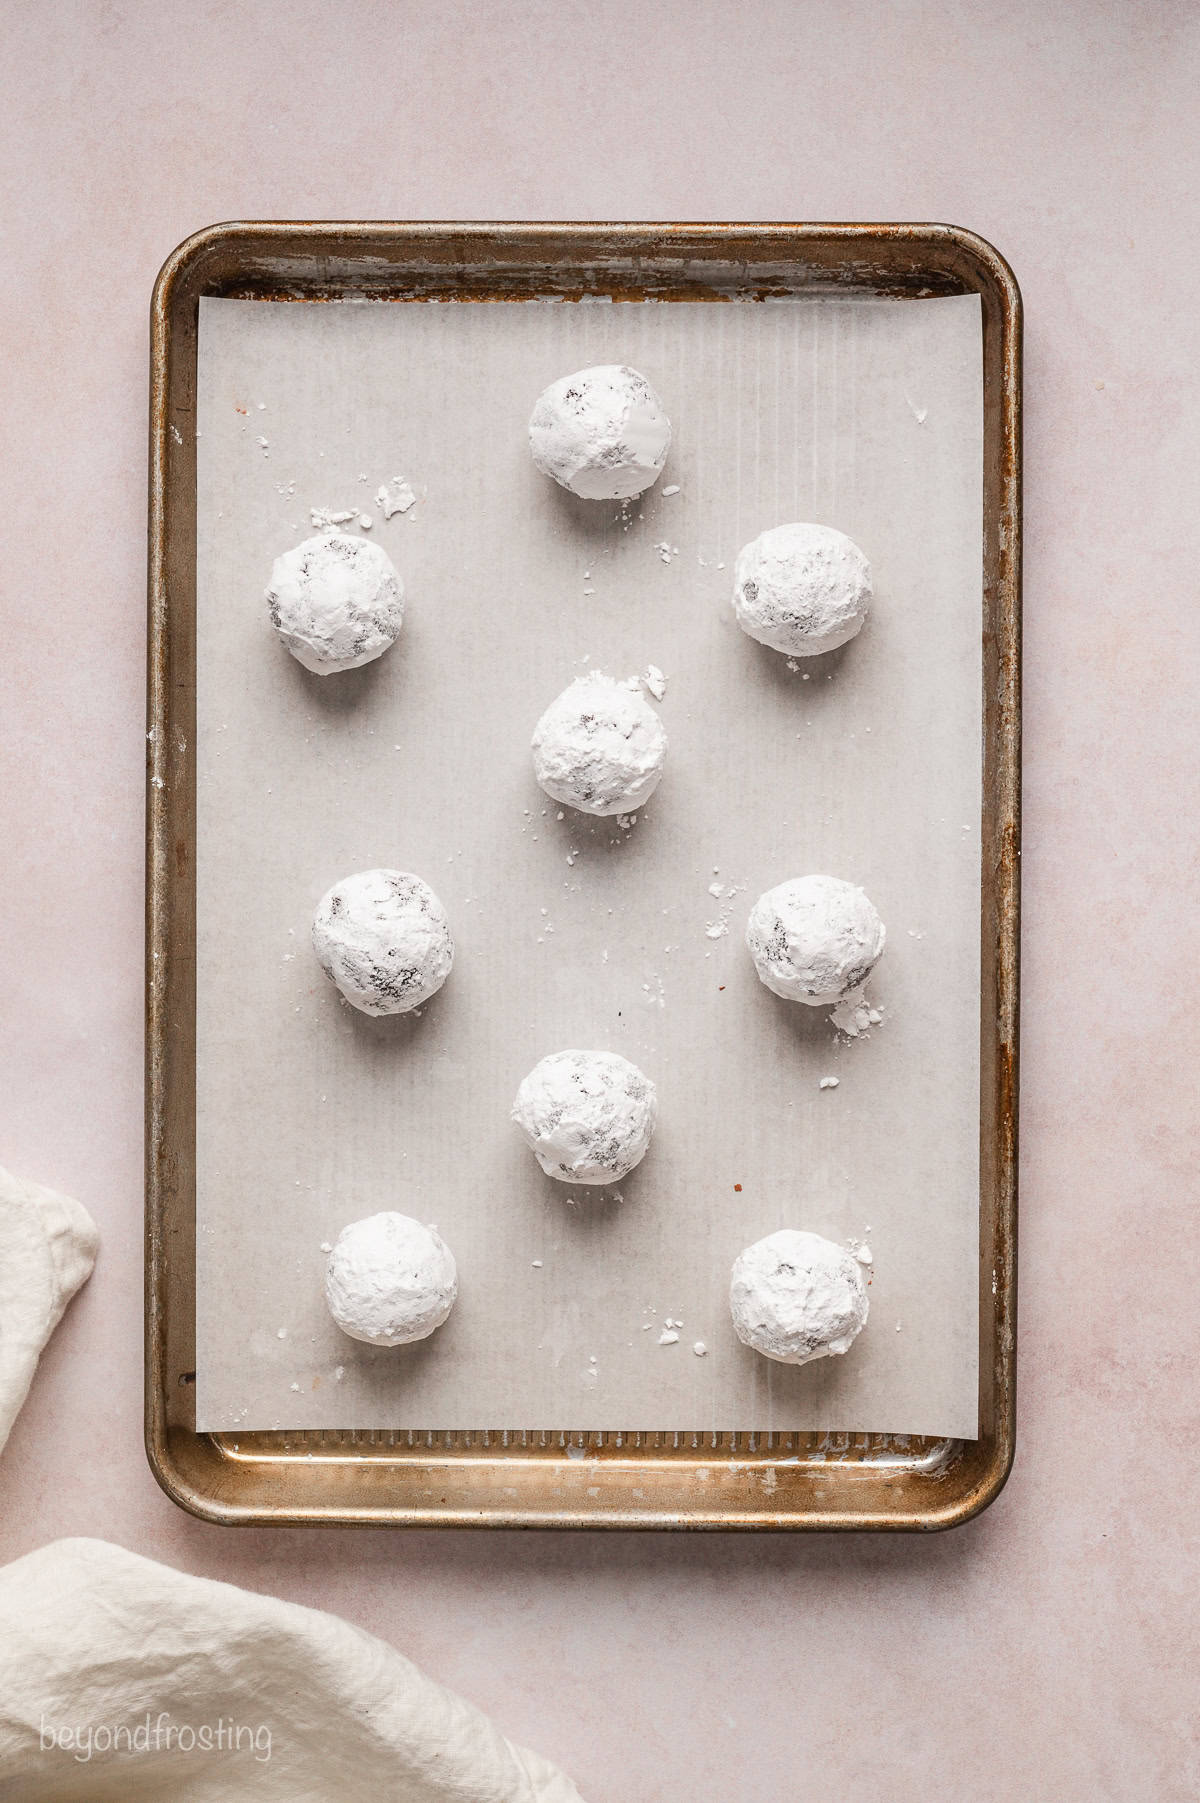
536 1477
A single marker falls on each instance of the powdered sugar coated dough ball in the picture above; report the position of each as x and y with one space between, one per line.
384 939
600 747
390 1280
588 1116
796 1297
603 433
814 939
801 589
336 601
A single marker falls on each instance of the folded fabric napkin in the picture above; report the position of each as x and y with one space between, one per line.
121 1679
47 1250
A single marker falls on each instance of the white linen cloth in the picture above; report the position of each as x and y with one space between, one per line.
47 1249
113 1666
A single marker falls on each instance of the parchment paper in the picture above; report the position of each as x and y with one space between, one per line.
860 413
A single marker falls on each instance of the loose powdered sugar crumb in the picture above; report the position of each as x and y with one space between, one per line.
396 499
854 1016
726 894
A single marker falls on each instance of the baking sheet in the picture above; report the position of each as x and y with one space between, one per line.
863 413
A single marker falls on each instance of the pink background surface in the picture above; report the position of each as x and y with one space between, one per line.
1042 1652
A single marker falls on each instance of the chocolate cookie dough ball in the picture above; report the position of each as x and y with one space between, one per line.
336 602
603 433
814 939
588 1116
390 1280
384 939
797 1297
801 589
600 747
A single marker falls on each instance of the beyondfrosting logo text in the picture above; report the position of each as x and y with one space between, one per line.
157 1734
